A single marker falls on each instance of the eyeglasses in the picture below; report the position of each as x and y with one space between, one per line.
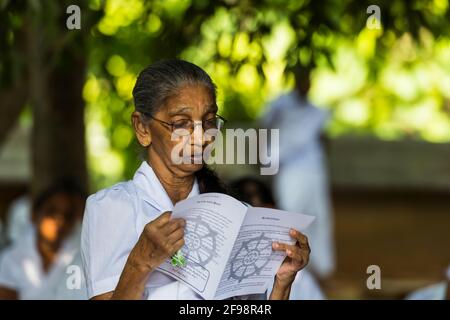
187 126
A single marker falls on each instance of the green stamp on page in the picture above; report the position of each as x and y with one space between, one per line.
178 259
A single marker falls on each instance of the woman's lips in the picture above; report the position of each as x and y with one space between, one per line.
194 158
197 158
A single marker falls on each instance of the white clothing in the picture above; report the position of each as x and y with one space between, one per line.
433 292
21 270
436 291
300 125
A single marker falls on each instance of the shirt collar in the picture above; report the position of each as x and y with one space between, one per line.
151 190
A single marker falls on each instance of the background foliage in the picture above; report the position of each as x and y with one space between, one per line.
391 83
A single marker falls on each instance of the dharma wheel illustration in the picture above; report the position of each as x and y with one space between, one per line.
251 257
200 241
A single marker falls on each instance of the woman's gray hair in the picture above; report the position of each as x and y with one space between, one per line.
161 80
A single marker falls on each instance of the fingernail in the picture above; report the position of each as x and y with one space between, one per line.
288 252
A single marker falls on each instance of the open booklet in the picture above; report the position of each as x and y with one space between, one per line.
228 245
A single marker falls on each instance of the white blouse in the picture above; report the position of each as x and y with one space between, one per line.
113 221
21 270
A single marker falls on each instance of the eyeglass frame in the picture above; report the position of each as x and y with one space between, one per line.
171 124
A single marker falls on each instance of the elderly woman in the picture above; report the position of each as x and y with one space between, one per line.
127 229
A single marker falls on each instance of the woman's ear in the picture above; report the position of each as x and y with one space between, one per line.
142 130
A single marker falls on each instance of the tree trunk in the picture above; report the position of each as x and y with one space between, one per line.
12 102
58 139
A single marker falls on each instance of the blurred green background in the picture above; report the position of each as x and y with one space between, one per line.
390 83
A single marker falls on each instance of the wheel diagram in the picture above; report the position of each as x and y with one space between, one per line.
251 258
200 241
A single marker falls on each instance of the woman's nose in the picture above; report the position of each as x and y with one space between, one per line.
198 134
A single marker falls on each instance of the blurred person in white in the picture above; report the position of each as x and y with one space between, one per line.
36 266
437 291
301 184
255 193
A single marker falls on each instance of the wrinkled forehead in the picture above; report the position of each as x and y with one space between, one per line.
190 100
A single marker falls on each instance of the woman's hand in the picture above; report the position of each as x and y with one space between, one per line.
161 239
297 257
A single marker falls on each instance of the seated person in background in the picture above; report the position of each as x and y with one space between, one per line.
437 291
36 265
257 194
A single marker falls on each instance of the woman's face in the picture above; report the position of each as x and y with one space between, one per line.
192 102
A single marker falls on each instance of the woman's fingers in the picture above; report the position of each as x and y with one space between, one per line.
302 240
174 247
295 254
300 237
293 251
281 246
163 219
176 235
177 245
173 225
